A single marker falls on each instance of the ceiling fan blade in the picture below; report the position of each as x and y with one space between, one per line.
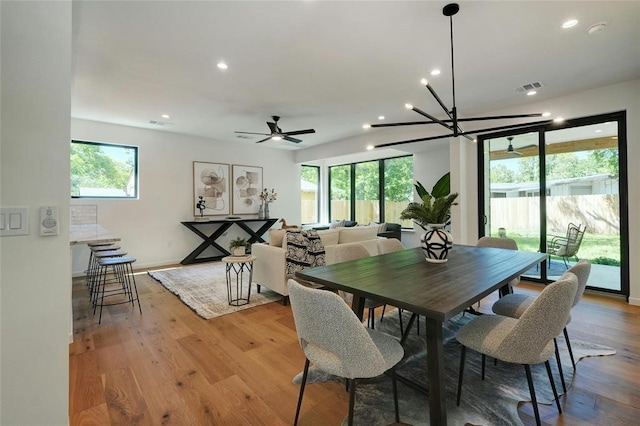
406 123
498 117
301 132
252 133
290 139
264 140
273 127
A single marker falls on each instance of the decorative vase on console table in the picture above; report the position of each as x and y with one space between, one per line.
266 210
436 243
261 211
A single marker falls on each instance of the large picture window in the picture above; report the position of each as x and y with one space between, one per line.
100 170
371 191
310 185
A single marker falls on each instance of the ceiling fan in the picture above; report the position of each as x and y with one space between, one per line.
277 133
452 122
512 151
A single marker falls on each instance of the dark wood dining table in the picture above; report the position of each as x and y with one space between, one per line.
438 291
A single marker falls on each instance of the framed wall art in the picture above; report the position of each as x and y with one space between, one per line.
246 186
211 189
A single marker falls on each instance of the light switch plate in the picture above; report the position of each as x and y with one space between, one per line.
14 221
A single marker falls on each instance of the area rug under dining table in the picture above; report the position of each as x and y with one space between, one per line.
203 288
493 401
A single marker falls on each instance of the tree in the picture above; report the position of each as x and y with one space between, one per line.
502 174
93 168
607 160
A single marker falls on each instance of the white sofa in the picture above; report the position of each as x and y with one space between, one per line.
270 264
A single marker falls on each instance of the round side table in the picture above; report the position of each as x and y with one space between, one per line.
238 266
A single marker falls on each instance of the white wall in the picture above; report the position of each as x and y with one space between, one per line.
35 273
150 226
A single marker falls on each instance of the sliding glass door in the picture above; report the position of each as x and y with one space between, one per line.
560 189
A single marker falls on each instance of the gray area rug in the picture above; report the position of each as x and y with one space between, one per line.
493 401
203 288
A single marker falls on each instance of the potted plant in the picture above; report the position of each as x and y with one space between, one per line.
238 246
433 214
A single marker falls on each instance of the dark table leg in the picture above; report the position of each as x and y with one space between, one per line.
435 373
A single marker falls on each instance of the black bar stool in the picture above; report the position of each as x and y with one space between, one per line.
122 284
94 275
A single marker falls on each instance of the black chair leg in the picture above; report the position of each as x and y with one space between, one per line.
553 385
400 319
564 385
352 398
566 338
532 391
462 356
394 383
383 309
304 382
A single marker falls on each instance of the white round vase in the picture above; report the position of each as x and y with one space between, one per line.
436 243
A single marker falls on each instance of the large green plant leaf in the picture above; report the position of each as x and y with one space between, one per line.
442 188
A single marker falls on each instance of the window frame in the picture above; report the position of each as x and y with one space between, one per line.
318 192
352 199
135 167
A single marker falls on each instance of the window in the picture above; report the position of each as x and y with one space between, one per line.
367 192
340 192
371 191
100 170
310 183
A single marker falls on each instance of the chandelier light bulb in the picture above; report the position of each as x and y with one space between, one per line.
424 81
408 106
369 147
546 114
366 126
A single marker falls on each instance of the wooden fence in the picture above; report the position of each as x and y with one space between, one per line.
600 213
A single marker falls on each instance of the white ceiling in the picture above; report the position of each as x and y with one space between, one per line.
333 65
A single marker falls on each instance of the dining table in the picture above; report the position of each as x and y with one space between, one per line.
437 291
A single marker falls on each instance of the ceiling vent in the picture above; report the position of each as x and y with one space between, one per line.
160 123
529 86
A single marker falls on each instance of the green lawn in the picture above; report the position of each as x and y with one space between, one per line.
595 247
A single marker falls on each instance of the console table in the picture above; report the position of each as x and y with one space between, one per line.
219 227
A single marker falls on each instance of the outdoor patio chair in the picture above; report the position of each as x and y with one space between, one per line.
566 246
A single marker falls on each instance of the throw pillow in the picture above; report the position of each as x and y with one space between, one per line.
355 234
336 224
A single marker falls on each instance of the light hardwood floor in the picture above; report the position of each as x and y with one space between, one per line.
169 366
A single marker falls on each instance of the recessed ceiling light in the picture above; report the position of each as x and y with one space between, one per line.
558 119
531 92
222 65
598 130
381 117
569 23
546 114
369 147
165 116
435 72
366 126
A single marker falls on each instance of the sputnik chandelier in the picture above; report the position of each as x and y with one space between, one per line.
452 123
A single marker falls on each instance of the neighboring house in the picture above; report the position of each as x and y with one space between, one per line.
589 185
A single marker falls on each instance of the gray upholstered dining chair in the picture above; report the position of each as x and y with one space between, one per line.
514 305
390 245
500 242
526 340
345 253
356 352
